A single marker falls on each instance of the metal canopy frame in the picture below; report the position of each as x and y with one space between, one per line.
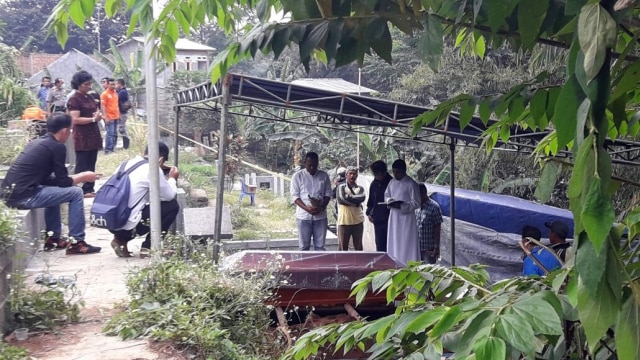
255 97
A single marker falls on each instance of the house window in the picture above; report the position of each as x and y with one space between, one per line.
174 67
188 65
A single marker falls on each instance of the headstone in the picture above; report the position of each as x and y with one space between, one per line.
197 136
201 222
199 197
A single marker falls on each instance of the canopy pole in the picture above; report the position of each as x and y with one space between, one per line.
224 117
176 138
452 202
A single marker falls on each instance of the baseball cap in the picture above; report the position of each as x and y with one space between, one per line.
341 171
558 227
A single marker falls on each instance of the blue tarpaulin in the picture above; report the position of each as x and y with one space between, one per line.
501 213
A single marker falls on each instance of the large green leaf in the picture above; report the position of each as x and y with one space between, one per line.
573 6
425 320
517 332
547 181
530 308
490 348
566 112
531 14
447 322
628 329
596 32
466 113
627 80
316 36
538 105
431 42
589 264
383 44
596 312
598 214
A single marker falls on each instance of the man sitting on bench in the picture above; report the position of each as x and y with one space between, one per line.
39 179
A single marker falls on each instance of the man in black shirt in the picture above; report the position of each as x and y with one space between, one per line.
376 213
558 233
39 179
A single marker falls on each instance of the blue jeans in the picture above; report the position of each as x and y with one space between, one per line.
50 198
112 135
307 228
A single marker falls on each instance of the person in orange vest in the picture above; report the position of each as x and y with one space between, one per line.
33 112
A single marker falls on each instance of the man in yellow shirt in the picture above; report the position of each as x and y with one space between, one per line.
110 114
350 222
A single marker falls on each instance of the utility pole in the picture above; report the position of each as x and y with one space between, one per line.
153 138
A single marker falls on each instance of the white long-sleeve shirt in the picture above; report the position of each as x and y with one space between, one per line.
304 185
139 190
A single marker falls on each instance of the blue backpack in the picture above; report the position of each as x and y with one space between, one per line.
110 209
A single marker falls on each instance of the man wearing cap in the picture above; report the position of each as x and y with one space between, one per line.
538 260
337 181
350 221
558 233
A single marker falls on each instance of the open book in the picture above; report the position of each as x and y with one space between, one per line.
391 202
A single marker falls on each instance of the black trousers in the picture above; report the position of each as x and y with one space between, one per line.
380 231
168 213
86 161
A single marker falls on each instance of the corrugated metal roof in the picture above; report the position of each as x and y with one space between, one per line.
334 84
183 44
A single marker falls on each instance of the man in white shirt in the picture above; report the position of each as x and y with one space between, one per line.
311 192
138 223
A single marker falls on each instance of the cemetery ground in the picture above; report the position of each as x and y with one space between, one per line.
100 282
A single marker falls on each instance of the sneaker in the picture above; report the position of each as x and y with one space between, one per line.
55 244
82 248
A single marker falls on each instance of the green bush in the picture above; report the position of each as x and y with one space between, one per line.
46 307
8 227
244 218
194 305
9 352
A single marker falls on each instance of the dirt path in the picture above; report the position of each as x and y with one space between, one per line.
101 279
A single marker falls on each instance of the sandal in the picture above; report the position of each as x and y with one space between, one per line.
144 253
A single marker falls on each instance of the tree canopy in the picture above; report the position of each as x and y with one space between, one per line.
599 99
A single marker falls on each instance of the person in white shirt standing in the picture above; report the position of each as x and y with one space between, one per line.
311 192
138 223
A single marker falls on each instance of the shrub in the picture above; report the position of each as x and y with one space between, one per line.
9 352
196 306
46 307
8 227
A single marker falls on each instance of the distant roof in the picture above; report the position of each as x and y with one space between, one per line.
334 84
182 44
68 64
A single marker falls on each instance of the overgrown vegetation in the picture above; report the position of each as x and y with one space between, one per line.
10 352
54 302
8 227
187 300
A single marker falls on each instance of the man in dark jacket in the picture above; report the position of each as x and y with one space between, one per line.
39 179
376 213
124 106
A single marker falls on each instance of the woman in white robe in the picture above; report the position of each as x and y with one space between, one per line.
402 233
